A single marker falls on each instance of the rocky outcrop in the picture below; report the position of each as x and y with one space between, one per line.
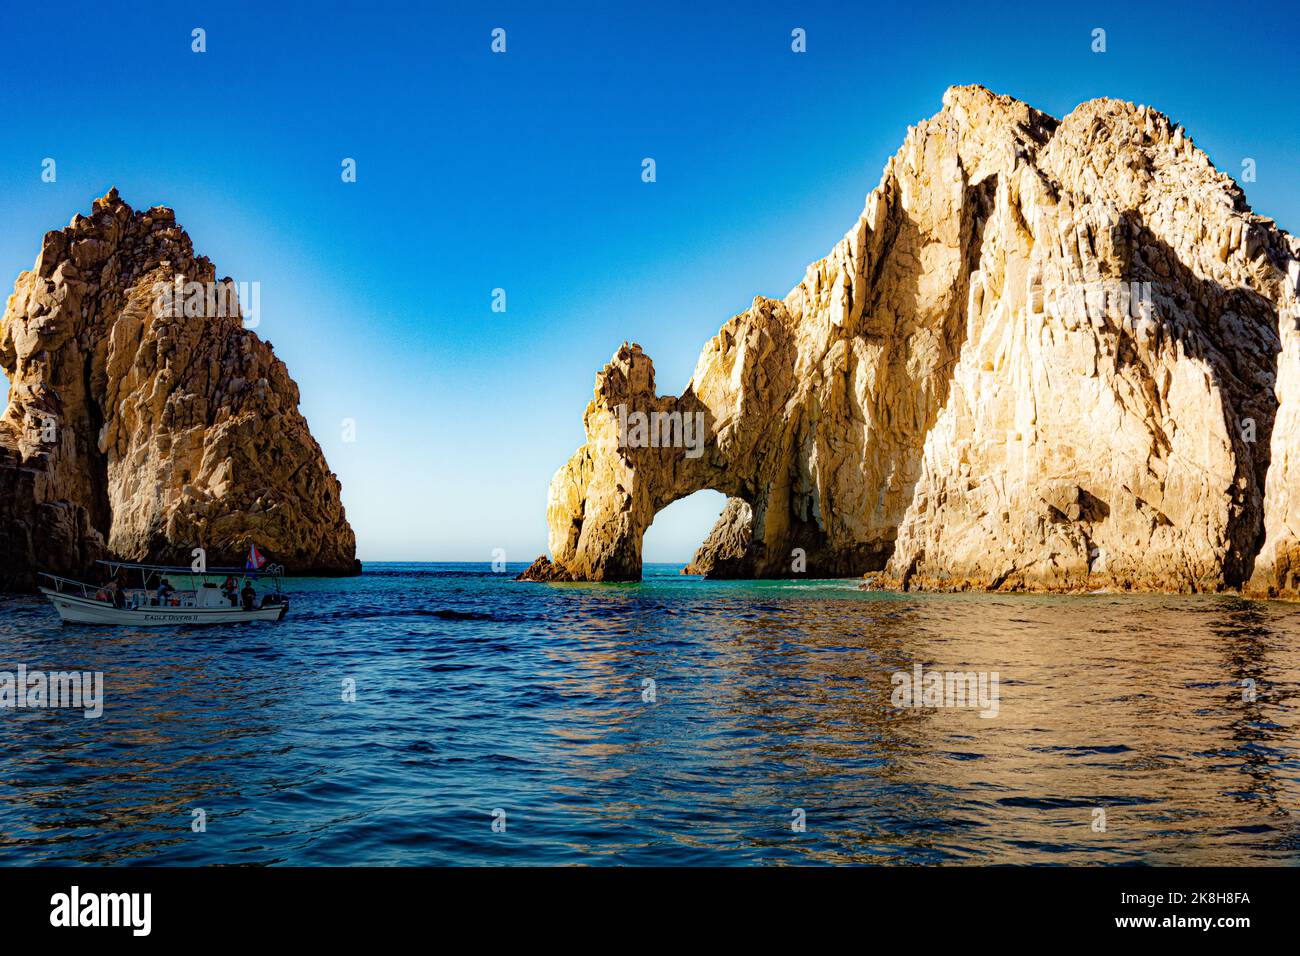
1277 568
144 420
725 553
543 570
1110 416
1044 357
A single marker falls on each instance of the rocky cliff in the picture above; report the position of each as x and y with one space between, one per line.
144 420
1048 355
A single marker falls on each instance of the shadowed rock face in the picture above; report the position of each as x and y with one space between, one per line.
1044 357
144 435
726 552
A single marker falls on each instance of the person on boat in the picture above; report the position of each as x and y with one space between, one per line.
248 595
231 590
165 591
118 594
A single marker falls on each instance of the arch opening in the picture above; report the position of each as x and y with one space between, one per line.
678 529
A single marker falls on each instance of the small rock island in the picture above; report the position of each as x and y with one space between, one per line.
141 427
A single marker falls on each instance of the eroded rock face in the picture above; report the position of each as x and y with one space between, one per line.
1277 568
726 552
143 431
1044 357
543 570
1125 443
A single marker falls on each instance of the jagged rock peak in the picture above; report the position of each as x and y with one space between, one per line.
144 426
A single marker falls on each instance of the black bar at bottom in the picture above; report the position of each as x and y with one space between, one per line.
332 906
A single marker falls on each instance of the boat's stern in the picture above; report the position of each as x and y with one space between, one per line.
79 610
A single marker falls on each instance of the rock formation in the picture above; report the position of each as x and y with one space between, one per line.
1044 357
1277 568
725 553
144 420
543 570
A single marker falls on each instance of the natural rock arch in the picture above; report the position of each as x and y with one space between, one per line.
817 404
932 399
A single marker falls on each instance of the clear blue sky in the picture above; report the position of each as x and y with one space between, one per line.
522 171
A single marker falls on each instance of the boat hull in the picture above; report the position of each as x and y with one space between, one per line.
78 610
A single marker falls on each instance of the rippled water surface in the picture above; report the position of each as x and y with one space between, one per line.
475 693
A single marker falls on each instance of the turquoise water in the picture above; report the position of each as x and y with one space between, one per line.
475 693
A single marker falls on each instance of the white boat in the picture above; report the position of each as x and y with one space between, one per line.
196 598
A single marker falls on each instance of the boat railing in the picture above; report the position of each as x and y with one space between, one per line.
134 597
142 597
138 597
67 586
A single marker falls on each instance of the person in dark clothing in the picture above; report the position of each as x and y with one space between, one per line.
165 591
248 595
118 595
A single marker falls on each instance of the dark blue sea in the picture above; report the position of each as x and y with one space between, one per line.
671 722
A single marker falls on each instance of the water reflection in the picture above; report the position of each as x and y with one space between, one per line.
1175 717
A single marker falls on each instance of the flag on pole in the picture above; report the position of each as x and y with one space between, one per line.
255 559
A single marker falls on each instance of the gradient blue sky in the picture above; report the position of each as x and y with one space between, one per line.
522 171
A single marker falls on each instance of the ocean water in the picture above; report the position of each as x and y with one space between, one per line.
1128 729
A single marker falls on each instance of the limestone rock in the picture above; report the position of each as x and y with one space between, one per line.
543 570
1277 569
1108 420
143 429
725 552
1045 356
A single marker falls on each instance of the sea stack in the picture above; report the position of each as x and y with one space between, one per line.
1049 355
142 426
